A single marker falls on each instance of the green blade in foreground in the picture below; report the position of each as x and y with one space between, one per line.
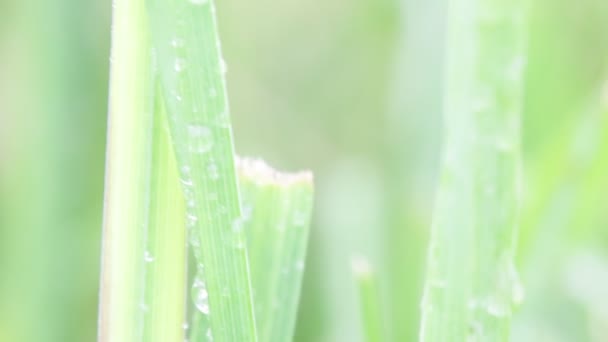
185 39
472 285
165 255
277 211
127 176
365 279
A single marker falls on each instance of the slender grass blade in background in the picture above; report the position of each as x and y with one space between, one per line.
191 69
371 313
277 210
127 176
472 284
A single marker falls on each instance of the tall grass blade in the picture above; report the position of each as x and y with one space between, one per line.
191 70
127 176
277 209
472 285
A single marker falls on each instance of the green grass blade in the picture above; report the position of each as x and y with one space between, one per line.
191 70
127 176
277 209
472 284
369 301
165 255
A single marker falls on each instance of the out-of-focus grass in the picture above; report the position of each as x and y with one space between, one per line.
322 72
54 86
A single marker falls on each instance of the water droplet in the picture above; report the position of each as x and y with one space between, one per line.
239 244
223 120
300 218
185 326
187 182
473 304
213 172
237 225
496 307
177 42
179 65
475 331
202 138
515 70
518 294
223 66
201 299
148 257
503 145
186 169
515 285
209 335
300 265
438 283
194 240
199 2
191 220
247 212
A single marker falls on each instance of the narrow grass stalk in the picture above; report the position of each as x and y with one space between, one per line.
191 72
277 209
472 284
127 176
365 280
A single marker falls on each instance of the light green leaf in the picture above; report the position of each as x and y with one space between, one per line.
369 300
472 284
164 307
277 209
191 70
127 176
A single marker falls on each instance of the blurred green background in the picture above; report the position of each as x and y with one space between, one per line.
348 88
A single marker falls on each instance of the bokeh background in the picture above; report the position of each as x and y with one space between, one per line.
348 88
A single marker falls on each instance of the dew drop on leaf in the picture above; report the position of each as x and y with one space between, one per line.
179 65
202 138
148 257
201 296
